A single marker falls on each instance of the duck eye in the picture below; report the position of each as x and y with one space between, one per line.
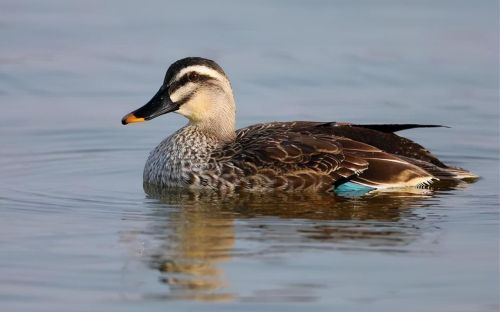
193 76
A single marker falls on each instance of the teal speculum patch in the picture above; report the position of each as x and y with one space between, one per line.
352 189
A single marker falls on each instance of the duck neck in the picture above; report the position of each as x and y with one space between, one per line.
220 128
212 112
214 116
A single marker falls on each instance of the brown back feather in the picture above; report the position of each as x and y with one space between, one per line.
309 155
289 156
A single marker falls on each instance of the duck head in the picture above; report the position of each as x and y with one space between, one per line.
196 88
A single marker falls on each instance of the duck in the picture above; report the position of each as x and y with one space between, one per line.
209 153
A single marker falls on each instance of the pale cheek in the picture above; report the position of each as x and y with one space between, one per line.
193 110
183 111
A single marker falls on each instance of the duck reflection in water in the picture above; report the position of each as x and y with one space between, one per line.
198 231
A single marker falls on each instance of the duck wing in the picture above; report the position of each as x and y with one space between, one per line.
303 155
384 138
283 156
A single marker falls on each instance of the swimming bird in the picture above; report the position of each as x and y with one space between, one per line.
209 153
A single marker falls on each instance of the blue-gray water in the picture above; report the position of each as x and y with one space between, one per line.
78 233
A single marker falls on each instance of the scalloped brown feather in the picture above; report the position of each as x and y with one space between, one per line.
310 156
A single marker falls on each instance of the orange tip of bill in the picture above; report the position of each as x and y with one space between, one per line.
130 118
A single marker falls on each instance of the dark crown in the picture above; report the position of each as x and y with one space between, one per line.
191 61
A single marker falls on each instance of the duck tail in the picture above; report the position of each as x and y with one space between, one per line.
442 173
462 174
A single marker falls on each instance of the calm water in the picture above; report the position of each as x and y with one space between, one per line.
78 233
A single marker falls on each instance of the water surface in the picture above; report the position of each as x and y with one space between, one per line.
78 232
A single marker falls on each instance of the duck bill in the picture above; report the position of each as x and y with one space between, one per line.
160 104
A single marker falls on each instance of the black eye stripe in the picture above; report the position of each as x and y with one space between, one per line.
189 77
184 99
